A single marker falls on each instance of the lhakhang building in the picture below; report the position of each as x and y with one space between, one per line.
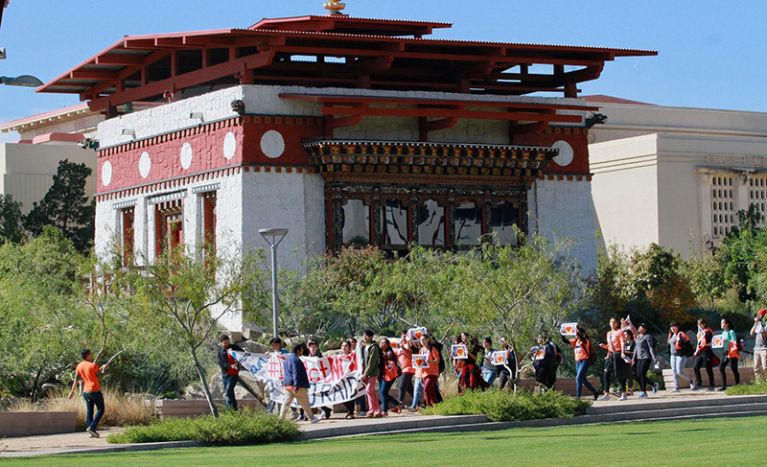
346 131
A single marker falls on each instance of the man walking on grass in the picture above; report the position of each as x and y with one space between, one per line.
88 372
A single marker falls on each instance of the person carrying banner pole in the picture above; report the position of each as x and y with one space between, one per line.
230 373
88 372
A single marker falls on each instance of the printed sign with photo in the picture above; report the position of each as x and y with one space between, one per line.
717 342
568 329
459 352
415 334
420 361
499 357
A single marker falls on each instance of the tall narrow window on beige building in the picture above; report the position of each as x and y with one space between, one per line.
127 218
723 209
757 195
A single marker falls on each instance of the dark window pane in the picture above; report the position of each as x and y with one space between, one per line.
430 224
356 223
393 224
503 217
467 225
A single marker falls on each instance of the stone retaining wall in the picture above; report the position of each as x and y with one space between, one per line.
36 423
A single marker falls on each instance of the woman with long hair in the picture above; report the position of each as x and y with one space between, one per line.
405 358
471 376
731 353
390 371
678 342
582 349
431 373
704 356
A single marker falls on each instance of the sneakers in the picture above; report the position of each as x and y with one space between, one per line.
675 390
693 387
596 397
314 420
723 388
93 433
623 397
711 389
362 414
604 397
369 415
642 395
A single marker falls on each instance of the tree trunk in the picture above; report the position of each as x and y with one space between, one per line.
203 379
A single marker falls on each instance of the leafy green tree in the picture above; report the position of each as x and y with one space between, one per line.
11 220
66 206
187 296
44 324
739 254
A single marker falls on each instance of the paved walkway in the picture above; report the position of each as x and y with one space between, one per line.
337 426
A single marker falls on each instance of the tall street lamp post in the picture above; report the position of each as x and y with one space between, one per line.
274 237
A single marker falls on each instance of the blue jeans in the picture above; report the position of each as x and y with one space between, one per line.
581 368
387 401
417 392
489 375
230 381
91 399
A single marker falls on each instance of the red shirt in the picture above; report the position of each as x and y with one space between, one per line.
89 373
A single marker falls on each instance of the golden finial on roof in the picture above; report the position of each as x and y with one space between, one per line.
335 6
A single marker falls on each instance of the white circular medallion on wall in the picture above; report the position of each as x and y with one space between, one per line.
566 153
106 173
230 145
144 164
186 156
273 144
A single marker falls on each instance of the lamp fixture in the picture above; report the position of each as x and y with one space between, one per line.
197 116
129 132
23 80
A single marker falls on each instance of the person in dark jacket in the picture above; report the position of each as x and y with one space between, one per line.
644 356
296 383
371 371
545 362
230 373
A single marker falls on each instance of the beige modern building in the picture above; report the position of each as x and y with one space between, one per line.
675 176
27 167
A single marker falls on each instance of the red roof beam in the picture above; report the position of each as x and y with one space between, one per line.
341 99
450 113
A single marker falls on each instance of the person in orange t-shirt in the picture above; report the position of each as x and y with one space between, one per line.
88 372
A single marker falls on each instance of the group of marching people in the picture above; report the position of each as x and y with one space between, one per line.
630 356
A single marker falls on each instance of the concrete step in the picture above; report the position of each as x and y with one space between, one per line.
675 412
694 401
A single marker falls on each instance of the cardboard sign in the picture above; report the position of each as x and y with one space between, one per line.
415 334
717 342
568 329
420 361
459 352
499 357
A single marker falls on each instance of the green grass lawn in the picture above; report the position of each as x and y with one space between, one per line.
703 442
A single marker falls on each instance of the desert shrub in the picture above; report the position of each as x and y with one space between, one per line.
245 426
119 409
503 406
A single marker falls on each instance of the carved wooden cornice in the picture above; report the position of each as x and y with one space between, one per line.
341 159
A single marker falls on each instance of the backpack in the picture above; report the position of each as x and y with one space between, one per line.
687 349
592 354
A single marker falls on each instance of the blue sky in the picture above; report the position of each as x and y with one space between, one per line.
712 53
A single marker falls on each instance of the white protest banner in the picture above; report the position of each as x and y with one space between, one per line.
332 380
568 329
499 357
420 361
415 334
717 342
459 352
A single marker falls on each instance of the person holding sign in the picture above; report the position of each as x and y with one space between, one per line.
405 358
731 353
471 377
296 383
704 356
584 356
760 344
613 360
431 372
88 372
508 372
390 371
489 371
545 357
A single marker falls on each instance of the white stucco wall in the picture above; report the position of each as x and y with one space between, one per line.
563 211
